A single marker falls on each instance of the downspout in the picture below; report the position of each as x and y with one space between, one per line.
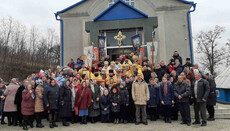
62 39
189 30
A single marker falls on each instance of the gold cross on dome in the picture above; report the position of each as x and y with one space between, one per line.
119 38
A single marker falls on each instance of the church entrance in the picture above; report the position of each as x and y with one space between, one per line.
126 48
114 53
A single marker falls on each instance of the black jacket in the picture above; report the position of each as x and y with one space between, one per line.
212 95
51 97
178 57
116 99
203 90
147 75
65 101
160 73
124 94
183 90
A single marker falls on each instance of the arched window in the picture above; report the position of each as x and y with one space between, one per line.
130 2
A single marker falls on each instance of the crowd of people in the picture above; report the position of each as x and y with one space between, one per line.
121 91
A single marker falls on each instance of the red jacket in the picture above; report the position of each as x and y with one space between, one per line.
28 103
171 68
85 101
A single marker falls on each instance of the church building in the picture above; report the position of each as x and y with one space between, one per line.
83 22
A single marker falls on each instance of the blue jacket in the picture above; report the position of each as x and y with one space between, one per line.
60 79
79 64
154 95
170 94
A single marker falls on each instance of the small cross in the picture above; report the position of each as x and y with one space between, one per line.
119 38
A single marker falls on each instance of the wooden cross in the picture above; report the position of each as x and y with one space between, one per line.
119 38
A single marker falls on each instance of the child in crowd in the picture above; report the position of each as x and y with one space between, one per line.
124 103
115 104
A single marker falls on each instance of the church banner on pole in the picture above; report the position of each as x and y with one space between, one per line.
88 52
149 50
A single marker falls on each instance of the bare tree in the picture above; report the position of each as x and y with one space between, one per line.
209 50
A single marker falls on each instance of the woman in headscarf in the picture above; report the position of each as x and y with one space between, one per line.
39 105
65 102
94 109
105 105
75 86
83 101
27 106
10 108
51 97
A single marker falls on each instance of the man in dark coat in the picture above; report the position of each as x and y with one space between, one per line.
131 108
177 56
18 101
147 74
166 94
188 64
199 93
2 101
160 73
182 92
211 101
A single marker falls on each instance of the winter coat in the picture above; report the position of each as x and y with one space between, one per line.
2 90
105 103
10 93
183 90
94 109
39 105
178 57
65 101
203 90
212 95
83 98
18 98
170 94
147 75
51 97
160 73
154 95
28 103
115 99
140 92
179 69
124 94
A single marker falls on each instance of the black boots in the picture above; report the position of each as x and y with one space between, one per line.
83 120
25 125
53 124
65 123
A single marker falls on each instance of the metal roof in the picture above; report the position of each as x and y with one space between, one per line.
223 80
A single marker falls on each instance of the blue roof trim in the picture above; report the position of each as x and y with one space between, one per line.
114 5
70 7
187 2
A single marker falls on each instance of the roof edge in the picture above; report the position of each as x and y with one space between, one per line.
70 7
105 11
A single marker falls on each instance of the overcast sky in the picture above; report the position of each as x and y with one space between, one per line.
41 13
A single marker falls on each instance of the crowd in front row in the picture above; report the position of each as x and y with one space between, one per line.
120 91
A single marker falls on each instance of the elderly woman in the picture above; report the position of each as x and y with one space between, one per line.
94 109
51 97
83 101
105 106
10 108
65 102
39 106
27 106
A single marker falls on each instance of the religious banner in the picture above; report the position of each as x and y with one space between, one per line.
101 45
141 55
136 43
149 50
88 52
96 55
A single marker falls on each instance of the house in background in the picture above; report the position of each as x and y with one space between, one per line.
223 86
83 22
